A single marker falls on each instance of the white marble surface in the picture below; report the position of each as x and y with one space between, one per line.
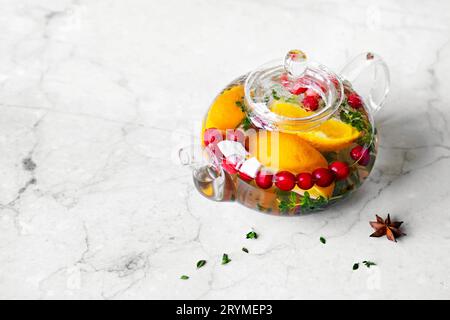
99 95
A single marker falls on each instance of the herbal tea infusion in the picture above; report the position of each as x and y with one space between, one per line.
292 137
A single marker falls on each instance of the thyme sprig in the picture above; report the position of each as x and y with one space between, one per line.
305 204
360 122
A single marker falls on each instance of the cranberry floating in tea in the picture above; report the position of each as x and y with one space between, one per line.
292 136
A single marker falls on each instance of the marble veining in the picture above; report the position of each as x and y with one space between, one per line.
96 97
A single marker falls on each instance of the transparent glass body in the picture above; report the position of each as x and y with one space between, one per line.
291 138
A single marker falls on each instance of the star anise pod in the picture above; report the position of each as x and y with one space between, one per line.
388 228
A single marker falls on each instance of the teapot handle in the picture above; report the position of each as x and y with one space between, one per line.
369 76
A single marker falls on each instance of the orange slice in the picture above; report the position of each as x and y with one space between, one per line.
283 151
331 135
224 113
290 110
316 191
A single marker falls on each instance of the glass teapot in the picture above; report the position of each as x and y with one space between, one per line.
291 137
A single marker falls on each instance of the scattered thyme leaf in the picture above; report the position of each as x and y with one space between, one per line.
245 250
225 259
368 264
252 235
323 240
201 263
184 277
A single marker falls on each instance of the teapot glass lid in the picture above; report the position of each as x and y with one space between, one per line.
292 81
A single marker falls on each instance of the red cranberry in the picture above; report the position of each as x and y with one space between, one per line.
245 177
365 159
340 169
285 180
323 88
212 135
311 103
298 88
354 100
235 135
356 152
284 79
335 81
264 180
361 155
305 181
323 177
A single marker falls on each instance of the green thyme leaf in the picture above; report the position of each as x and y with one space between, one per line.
285 206
245 250
184 277
357 120
241 105
225 259
308 204
288 204
201 263
331 156
292 99
246 123
355 266
293 198
252 235
368 264
354 118
275 94
367 140
323 240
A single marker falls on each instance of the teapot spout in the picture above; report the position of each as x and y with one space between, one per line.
370 77
210 179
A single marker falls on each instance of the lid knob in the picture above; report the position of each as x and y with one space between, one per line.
295 62
289 81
